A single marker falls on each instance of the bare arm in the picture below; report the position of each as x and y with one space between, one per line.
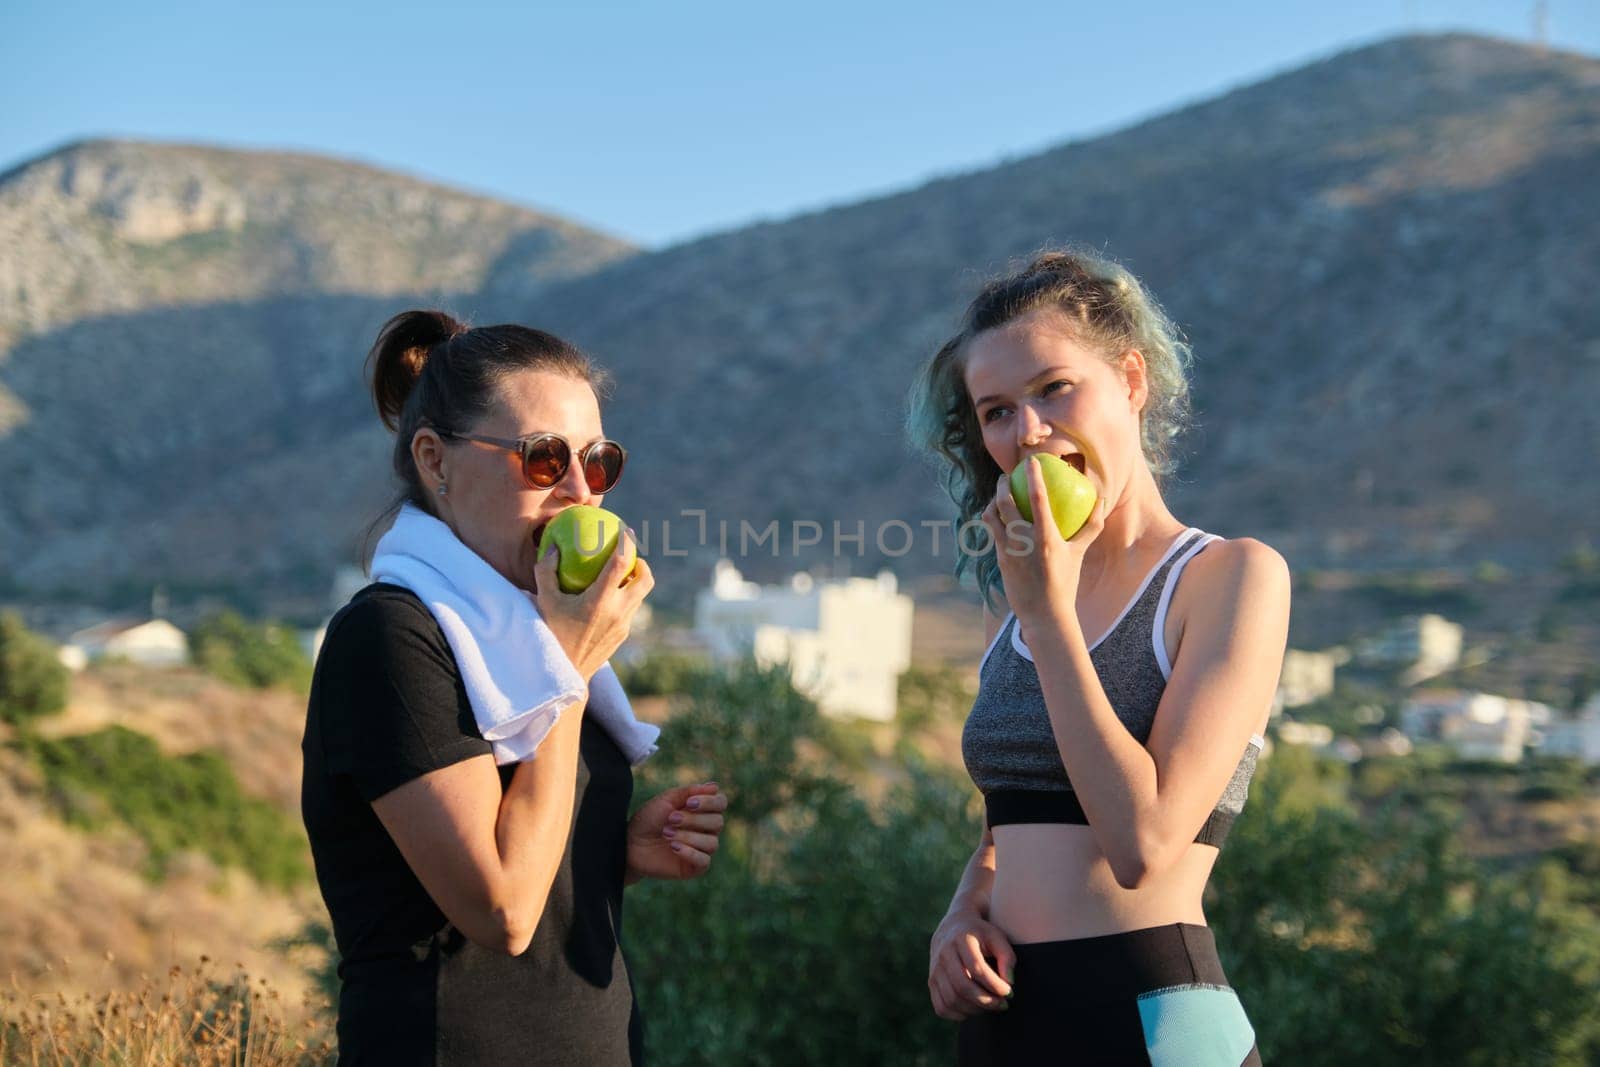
977 880
969 958
488 859
1147 802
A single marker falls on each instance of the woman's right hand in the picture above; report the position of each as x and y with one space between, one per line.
962 980
592 625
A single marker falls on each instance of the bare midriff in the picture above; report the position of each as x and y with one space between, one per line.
1052 882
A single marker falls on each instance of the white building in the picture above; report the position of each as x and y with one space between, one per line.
1313 734
152 642
1577 736
1388 742
1424 646
1306 676
1477 725
846 642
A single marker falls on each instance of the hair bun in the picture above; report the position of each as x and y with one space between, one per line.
400 354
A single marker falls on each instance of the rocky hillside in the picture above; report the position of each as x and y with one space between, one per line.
174 317
109 227
1384 262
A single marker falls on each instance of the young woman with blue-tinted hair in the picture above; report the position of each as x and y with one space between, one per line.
1129 675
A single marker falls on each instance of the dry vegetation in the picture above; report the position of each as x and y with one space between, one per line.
256 730
201 1016
68 895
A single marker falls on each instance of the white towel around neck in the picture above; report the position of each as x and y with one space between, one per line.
518 678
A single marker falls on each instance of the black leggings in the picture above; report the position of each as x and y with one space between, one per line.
1154 996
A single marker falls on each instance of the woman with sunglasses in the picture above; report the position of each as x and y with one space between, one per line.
476 898
1129 675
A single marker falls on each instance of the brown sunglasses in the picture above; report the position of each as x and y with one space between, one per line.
546 457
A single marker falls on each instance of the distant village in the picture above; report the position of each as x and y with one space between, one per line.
846 642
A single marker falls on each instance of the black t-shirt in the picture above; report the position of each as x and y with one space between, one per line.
387 706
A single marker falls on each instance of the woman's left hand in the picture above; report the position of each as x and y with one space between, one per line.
1040 569
674 834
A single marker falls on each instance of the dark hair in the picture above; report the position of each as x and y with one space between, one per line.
1110 310
428 369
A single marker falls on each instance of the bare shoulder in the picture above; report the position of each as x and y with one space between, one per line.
1230 579
1240 565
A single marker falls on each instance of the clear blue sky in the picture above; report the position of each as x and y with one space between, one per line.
660 121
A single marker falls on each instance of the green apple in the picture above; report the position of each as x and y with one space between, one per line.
1072 498
585 537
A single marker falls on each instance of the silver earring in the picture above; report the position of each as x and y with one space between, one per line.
441 489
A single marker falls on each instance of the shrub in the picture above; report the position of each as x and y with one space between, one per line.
660 674
256 655
1350 938
1409 593
819 905
33 683
1376 940
172 803
929 695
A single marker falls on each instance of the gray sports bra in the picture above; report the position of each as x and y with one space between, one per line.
1008 744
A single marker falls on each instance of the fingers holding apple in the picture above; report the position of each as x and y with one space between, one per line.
1047 511
628 570
1013 534
590 622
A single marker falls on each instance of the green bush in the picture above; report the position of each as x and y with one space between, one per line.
1488 572
1351 938
1409 594
660 674
1581 589
33 683
256 655
929 695
1554 778
819 906
172 803
1583 561
1350 710
1585 684
1376 940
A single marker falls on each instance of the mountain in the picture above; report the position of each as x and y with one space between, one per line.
1383 261
181 323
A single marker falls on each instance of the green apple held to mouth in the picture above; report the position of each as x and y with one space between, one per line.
584 537
1072 497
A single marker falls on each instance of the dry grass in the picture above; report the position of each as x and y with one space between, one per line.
198 1017
70 894
67 894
